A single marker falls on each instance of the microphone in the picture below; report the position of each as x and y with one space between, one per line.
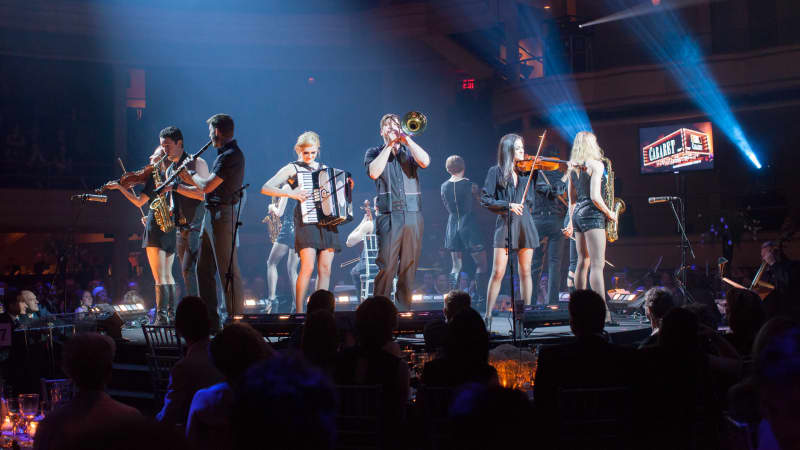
662 199
91 198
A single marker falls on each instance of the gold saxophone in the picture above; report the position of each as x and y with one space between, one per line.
273 222
159 205
616 204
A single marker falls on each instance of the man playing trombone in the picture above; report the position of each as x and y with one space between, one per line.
395 168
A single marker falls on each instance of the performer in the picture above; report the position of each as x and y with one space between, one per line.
283 246
313 242
188 208
502 193
458 194
221 189
548 216
395 168
590 212
159 245
367 226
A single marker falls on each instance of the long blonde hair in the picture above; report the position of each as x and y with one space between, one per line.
307 139
585 148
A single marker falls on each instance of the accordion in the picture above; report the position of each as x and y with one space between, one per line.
331 199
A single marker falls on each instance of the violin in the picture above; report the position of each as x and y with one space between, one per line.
542 163
130 179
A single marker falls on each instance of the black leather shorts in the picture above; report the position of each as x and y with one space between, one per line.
587 217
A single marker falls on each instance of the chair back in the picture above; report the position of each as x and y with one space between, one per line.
358 418
56 391
434 404
595 417
164 350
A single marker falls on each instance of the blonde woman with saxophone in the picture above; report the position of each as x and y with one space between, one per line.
588 212
159 240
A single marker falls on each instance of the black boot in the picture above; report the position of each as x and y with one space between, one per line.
162 295
481 286
172 302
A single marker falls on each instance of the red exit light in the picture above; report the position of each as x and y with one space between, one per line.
468 84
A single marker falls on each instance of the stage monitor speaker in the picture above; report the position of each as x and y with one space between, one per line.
622 301
546 316
111 324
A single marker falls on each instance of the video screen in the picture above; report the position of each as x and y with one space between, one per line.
676 148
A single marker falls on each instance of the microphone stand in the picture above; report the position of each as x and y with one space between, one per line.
235 232
684 245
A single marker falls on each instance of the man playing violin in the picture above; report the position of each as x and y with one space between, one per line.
395 168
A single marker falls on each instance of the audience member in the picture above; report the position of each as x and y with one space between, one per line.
589 362
128 434
286 404
320 341
194 371
233 350
657 302
86 301
375 360
484 417
466 354
87 361
434 331
777 376
12 357
743 397
745 317
442 285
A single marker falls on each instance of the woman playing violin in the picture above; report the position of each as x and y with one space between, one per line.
159 245
504 193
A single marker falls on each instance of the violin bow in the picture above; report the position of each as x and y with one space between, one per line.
131 188
535 158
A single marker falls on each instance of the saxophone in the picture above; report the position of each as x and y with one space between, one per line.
160 206
273 222
616 204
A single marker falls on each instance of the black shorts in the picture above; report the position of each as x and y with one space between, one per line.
587 217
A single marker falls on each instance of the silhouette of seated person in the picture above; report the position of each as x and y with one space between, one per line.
194 371
657 302
466 354
745 317
286 404
233 350
434 331
13 358
376 360
323 299
490 417
320 342
87 360
588 362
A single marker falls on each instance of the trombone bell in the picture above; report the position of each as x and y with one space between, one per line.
413 123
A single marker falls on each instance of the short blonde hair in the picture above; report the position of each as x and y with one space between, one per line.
307 139
454 164
585 148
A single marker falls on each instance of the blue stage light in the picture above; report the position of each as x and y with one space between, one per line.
681 56
556 95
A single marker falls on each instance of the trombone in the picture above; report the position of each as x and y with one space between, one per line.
413 123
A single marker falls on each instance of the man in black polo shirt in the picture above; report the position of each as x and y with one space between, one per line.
394 166
221 188
548 216
188 207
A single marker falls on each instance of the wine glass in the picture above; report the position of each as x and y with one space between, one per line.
29 405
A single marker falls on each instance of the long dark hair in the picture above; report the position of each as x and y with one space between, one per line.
505 155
